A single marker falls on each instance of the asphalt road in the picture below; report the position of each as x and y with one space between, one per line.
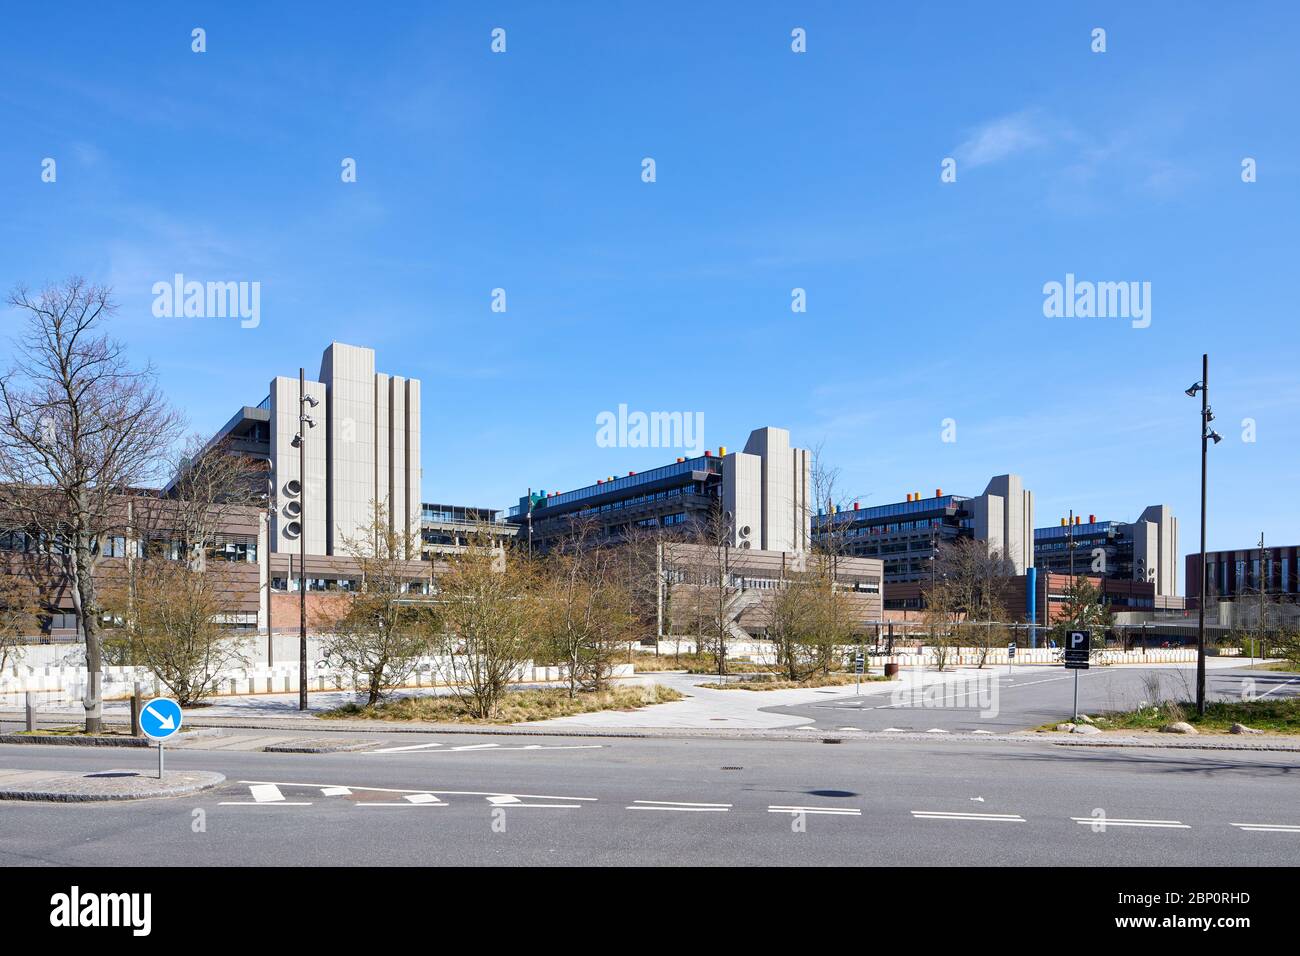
709 801
1031 696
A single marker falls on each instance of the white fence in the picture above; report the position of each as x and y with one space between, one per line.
910 655
61 684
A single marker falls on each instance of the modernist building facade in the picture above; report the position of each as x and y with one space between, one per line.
1142 550
142 525
1246 573
362 447
906 535
759 496
690 588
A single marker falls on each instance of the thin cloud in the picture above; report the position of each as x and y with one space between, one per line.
1002 138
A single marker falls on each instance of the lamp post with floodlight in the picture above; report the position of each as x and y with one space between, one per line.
1208 434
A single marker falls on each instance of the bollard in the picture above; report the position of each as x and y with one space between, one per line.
31 711
137 699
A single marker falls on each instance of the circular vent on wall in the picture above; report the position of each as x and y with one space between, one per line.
293 487
293 509
292 529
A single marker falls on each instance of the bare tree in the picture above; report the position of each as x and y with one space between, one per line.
386 628
711 595
584 613
169 619
487 605
78 427
975 579
791 627
18 609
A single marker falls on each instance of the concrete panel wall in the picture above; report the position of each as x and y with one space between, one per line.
413 476
1155 542
348 373
396 451
742 495
285 466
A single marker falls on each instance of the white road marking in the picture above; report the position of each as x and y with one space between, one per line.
832 811
423 798
1268 827
1277 688
264 795
956 815
981 731
373 804
503 800
334 791
452 793
420 749
1102 823
936 730
679 806
895 730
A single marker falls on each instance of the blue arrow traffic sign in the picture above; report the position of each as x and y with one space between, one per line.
160 718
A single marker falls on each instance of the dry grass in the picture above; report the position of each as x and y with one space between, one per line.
515 706
692 664
834 679
1273 715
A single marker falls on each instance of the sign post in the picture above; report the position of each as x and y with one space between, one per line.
1078 645
1011 656
161 718
859 665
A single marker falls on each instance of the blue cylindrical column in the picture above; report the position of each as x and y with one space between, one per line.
1031 604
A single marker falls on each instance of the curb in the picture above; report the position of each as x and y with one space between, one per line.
306 747
84 740
204 780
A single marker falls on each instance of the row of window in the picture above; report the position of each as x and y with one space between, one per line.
121 546
290 585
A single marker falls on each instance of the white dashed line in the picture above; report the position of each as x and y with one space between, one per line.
831 811
1267 827
679 806
1102 823
955 815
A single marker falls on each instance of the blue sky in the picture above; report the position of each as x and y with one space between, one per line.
775 170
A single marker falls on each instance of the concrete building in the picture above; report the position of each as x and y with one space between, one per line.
1246 574
690 588
1142 550
143 524
364 448
906 535
761 493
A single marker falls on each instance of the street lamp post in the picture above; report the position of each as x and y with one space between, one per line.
304 422
1207 435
